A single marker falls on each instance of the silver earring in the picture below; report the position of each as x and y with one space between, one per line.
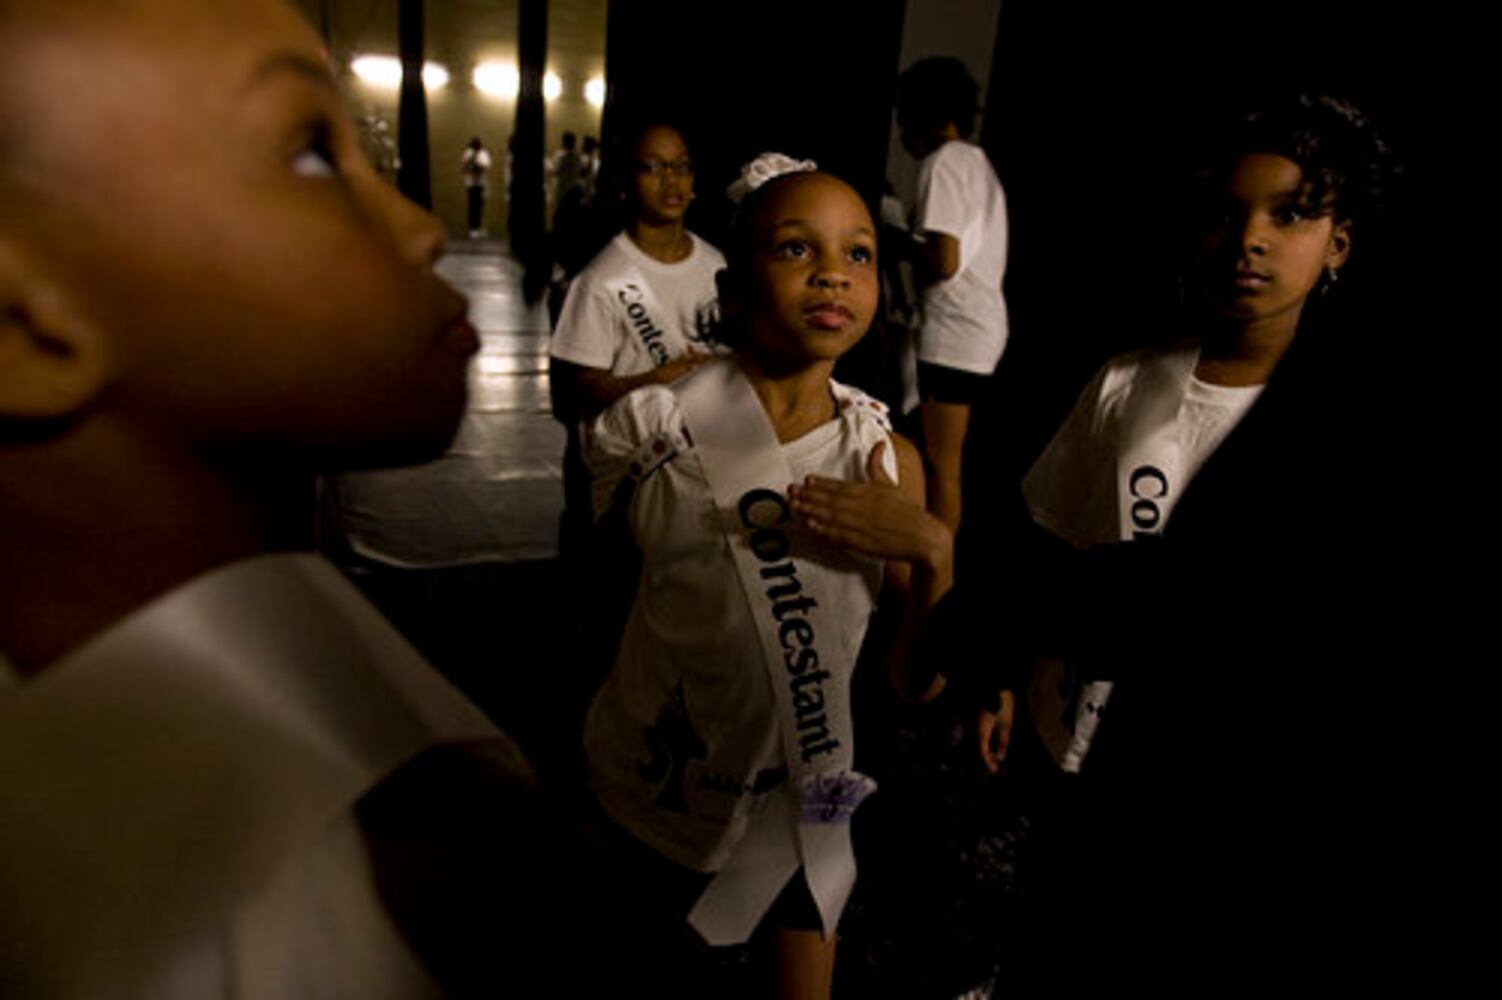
1332 274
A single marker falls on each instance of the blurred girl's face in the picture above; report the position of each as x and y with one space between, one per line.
664 177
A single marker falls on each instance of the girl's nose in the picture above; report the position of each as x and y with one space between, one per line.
831 270
1256 235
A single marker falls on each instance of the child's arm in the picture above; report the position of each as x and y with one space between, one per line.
595 389
887 519
939 258
585 344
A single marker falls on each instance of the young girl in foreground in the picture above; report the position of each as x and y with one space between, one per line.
722 738
222 774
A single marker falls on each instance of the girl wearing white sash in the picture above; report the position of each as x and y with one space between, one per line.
1219 786
640 312
722 738
1272 225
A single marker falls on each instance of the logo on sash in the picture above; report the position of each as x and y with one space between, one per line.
832 797
633 299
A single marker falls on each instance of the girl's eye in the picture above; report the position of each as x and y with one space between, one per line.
862 254
1290 214
791 250
316 157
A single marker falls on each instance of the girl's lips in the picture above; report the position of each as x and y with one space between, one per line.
830 316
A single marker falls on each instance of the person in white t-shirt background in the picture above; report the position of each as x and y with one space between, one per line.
960 221
640 312
474 167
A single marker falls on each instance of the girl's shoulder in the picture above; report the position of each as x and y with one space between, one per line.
858 407
636 436
956 153
642 414
1120 378
706 252
648 423
610 264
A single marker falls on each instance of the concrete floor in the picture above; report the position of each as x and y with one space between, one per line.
497 493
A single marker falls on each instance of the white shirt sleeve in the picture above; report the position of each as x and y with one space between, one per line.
942 204
622 441
1063 486
587 332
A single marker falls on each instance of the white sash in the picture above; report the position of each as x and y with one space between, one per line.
809 822
154 779
1149 480
643 315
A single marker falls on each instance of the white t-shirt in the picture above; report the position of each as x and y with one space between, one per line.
629 313
141 856
475 167
964 317
683 738
1075 488
1139 433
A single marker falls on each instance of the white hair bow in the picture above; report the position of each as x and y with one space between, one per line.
766 167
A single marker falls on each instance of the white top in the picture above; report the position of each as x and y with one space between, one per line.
964 322
629 313
176 796
1114 471
1074 488
683 738
475 165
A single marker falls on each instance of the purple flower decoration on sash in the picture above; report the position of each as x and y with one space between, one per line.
832 797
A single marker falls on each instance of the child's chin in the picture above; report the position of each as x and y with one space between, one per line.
418 442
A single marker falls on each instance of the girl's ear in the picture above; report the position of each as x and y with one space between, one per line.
1340 246
53 363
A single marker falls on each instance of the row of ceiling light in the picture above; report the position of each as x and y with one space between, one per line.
493 79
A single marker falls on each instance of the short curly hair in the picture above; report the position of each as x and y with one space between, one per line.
1348 168
935 92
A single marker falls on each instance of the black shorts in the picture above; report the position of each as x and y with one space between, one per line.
941 384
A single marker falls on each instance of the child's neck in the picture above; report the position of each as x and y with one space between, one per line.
87 541
797 400
1243 354
669 243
